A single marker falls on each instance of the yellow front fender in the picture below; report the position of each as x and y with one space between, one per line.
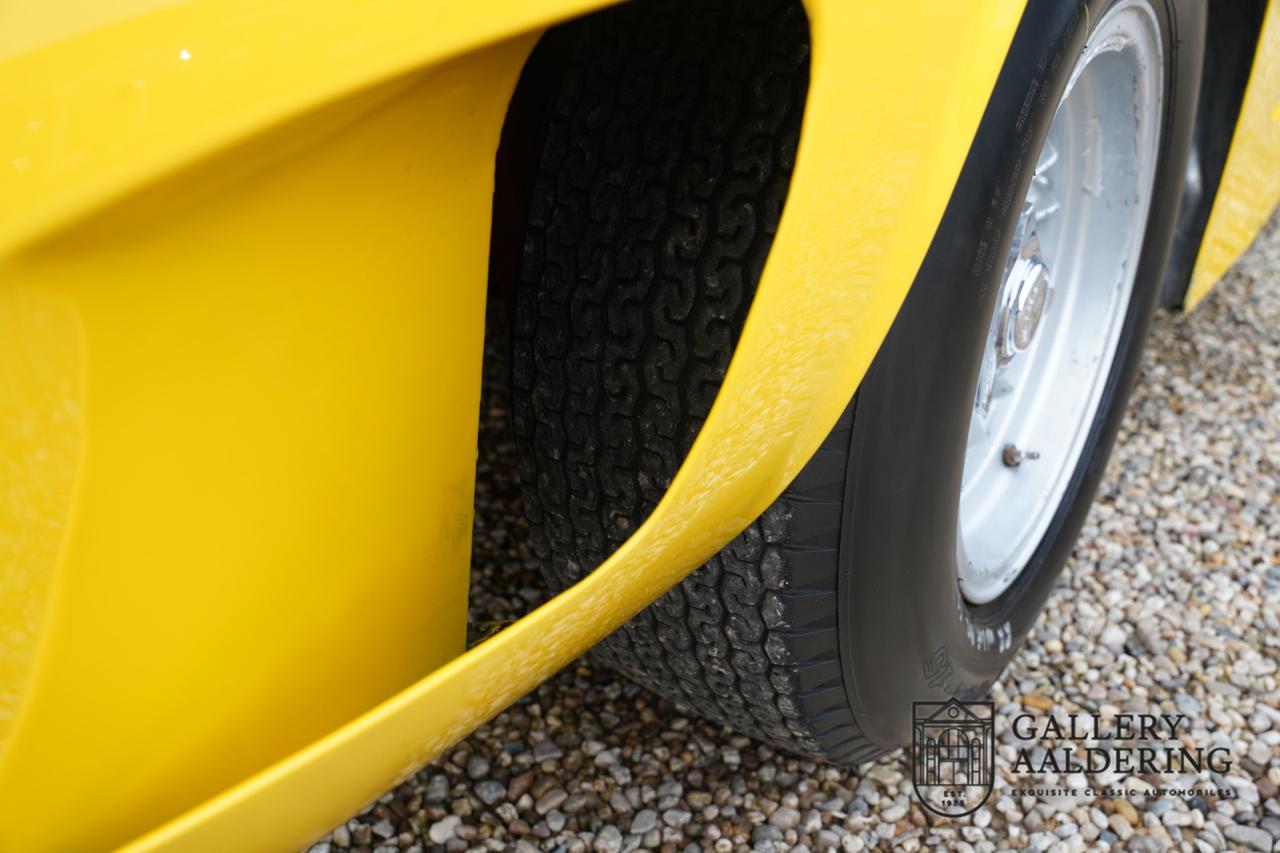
242 267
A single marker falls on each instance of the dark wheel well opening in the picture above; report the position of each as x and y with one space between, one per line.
727 79
641 177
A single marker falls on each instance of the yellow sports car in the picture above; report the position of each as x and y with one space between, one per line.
820 319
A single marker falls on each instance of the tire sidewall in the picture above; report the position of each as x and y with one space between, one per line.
906 633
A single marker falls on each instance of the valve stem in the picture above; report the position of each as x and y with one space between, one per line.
1012 456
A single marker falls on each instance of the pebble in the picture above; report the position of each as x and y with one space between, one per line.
1120 827
550 800
1250 837
491 792
1126 810
766 833
608 840
519 785
547 750
442 831
477 767
645 820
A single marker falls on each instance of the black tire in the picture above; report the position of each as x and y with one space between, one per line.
666 163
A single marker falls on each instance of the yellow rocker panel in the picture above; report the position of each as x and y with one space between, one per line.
242 265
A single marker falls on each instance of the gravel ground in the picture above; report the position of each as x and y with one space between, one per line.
1170 604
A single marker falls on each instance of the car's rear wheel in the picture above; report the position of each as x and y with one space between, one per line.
912 554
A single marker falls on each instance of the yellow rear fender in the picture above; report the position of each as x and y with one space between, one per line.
243 252
1250 184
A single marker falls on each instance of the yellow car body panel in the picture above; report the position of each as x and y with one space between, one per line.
261 378
1250 186
243 251
270 294
241 313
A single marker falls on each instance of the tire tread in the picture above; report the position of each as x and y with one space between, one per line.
660 185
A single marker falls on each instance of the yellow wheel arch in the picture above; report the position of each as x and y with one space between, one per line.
242 264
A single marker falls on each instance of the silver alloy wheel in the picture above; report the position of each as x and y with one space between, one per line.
1063 300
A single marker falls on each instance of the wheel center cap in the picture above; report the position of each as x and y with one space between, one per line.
1026 295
